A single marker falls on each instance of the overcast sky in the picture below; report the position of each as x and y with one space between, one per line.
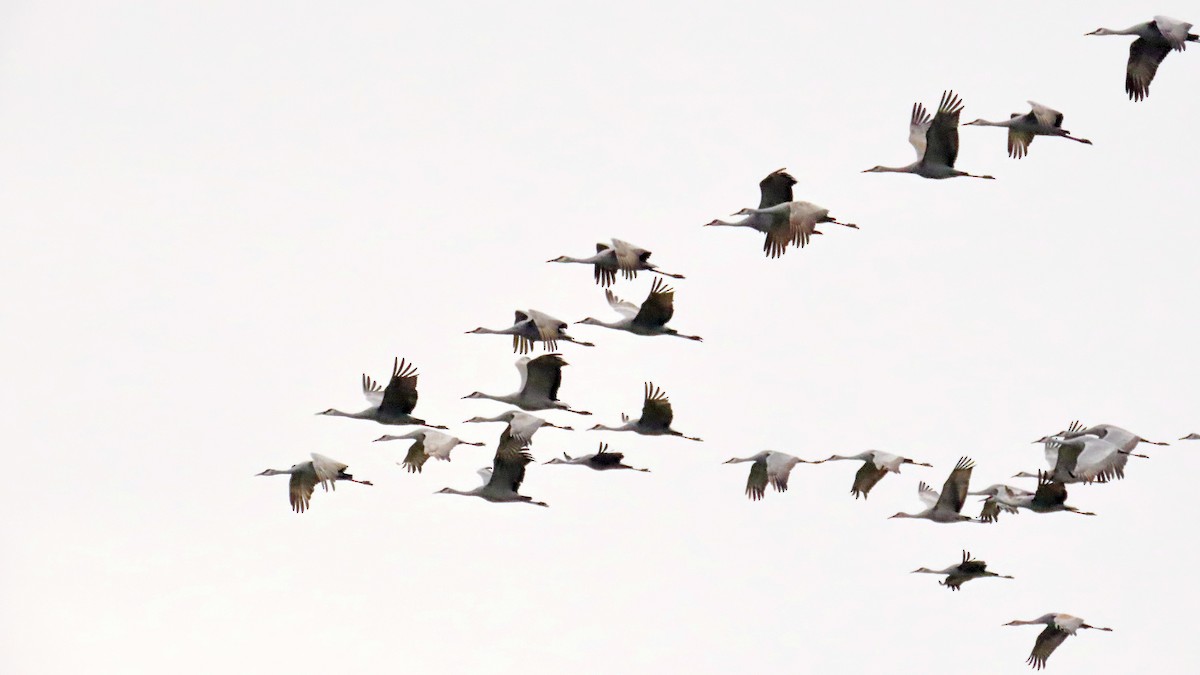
219 214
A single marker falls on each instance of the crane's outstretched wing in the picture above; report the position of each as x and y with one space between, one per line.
918 126
658 307
624 307
545 375
941 141
400 397
866 478
1144 57
927 494
954 491
1047 641
656 409
776 189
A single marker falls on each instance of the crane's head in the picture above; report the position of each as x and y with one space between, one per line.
590 321
877 169
331 411
903 515
554 460
445 491
269 472
1102 31
924 570
475 394
561 258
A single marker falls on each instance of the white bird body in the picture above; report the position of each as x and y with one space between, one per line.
784 220
1059 627
540 380
504 480
649 319
957 575
428 444
936 141
1156 39
306 475
876 465
946 506
530 326
769 466
601 460
999 498
1039 121
656 418
392 405
1051 496
521 425
1083 459
620 256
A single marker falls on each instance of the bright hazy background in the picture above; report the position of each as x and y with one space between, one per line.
218 214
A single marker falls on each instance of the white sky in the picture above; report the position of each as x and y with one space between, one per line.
219 214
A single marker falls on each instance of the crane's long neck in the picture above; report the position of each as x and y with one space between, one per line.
464 493
367 414
893 169
988 123
503 417
725 223
628 426
492 331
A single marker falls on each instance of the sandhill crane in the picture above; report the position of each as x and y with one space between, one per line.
945 507
306 475
540 380
1051 496
783 220
530 326
505 478
649 319
1040 121
1058 628
769 467
428 444
1156 39
875 466
392 405
620 256
935 140
996 499
601 460
1191 437
1122 438
957 575
1083 459
655 420
521 426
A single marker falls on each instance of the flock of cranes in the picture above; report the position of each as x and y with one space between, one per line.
1076 455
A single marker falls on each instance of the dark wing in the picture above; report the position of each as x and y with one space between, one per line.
1047 641
776 189
508 467
866 478
1144 57
605 458
954 581
992 508
416 457
779 234
544 375
971 566
954 491
521 343
1049 493
756 484
656 409
605 276
400 397
1018 141
300 490
658 307
941 141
